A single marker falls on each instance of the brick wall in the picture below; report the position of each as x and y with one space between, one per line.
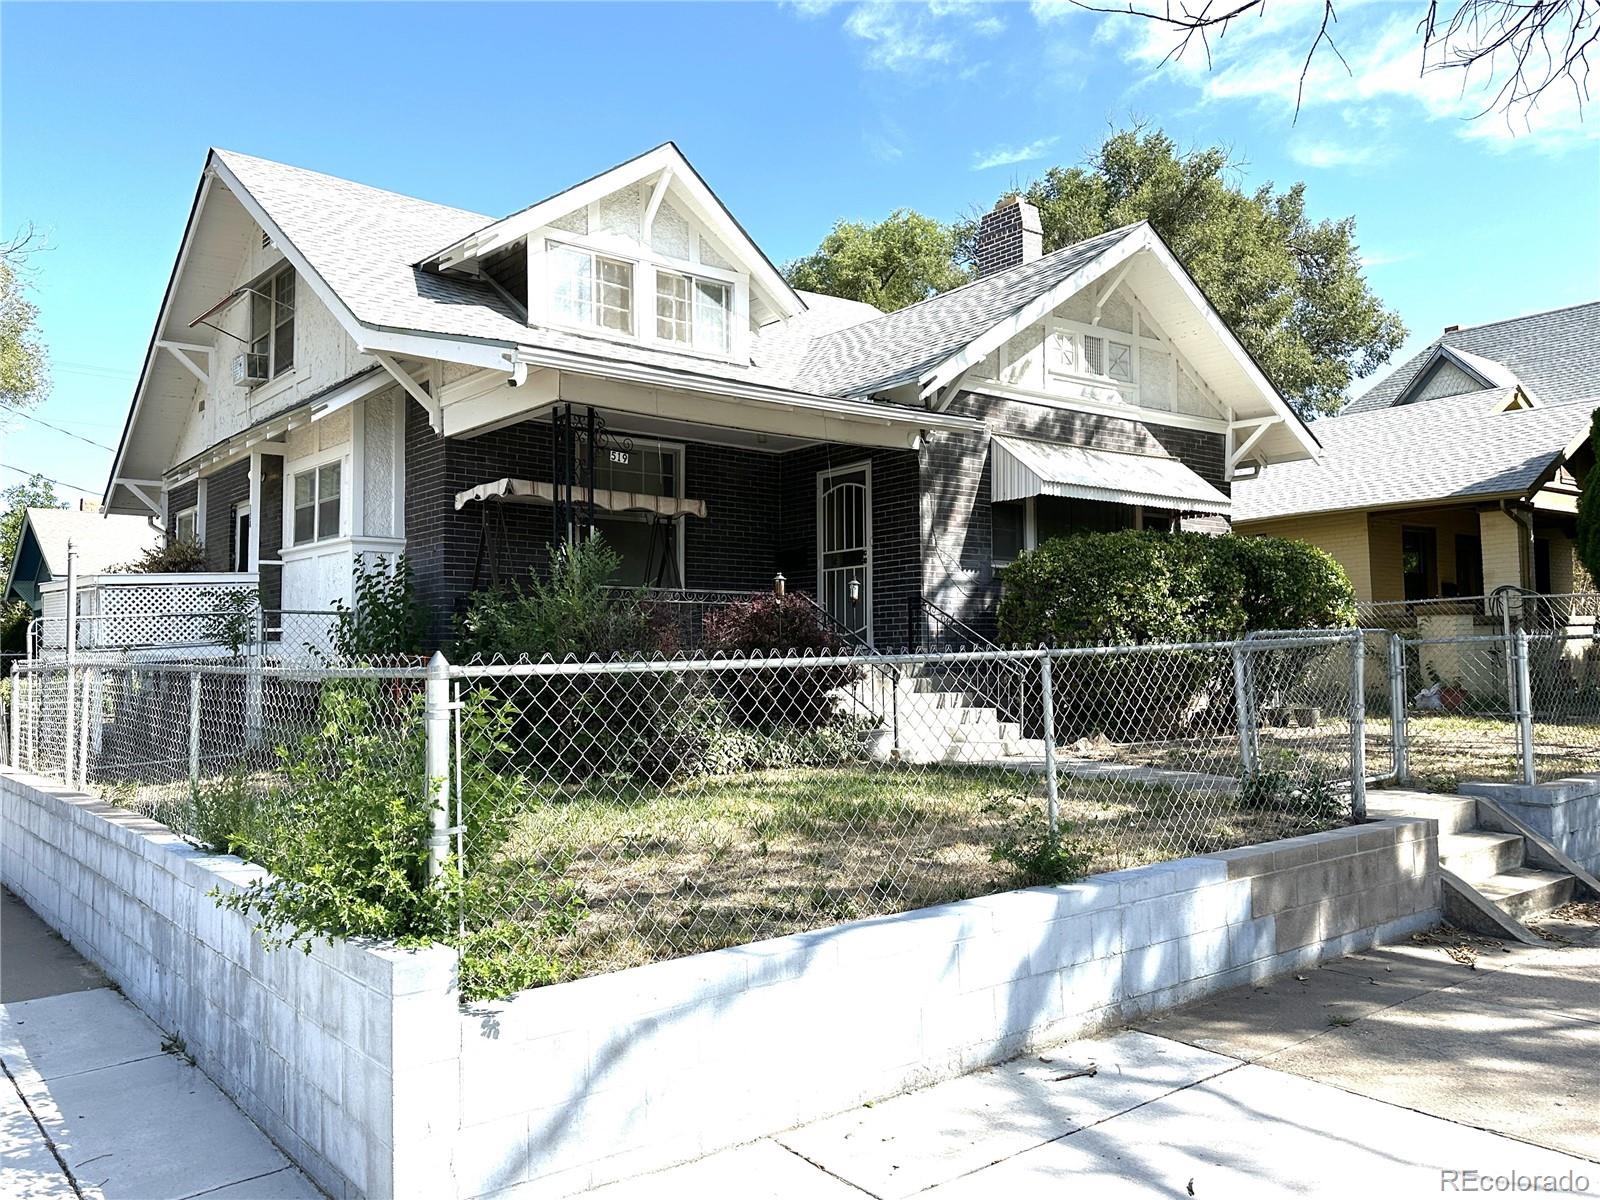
957 571
896 543
225 490
736 545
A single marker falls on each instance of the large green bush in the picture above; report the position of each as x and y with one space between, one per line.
1169 587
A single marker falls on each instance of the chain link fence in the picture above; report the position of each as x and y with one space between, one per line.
602 814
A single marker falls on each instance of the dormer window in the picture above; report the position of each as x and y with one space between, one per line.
693 312
590 289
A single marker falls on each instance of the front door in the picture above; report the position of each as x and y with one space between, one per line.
844 546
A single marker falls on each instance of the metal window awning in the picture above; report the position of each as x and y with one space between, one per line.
536 491
1022 468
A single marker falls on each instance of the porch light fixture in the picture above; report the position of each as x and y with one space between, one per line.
855 591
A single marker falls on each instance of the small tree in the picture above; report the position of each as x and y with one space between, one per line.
387 618
1589 508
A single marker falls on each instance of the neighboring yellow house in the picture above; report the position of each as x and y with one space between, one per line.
1456 474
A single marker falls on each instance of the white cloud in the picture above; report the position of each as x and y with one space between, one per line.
1325 155
1379 258
1006 156
906 37
1261 58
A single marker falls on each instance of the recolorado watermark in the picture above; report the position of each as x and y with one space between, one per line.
1513 1183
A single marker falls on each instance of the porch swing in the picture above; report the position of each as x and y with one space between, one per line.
576 501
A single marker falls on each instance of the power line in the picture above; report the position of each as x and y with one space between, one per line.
28 416
71 487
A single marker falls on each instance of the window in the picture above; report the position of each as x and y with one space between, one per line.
1078 353
1063 516
186 525
648 547
316 504
692 311
1009 519
590 289
272 324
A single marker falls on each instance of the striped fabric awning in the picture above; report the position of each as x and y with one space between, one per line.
537 491
1022 468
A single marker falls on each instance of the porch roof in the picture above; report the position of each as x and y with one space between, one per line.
1023 468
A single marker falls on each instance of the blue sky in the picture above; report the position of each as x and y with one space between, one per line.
796 114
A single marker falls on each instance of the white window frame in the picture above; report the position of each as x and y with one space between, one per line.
192 513
694 279
1030 533
313 466
268 288
1056 327
593 326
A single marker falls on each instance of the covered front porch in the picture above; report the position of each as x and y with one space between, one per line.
699 496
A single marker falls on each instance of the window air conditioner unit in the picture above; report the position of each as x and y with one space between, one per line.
250 368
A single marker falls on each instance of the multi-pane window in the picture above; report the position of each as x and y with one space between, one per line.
1078 354
590 289
316 504
1009 519
692 312
272 325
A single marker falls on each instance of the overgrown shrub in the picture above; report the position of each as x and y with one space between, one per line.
574 611
232 621
1169 587
173 556
1038 855
801 695
387 620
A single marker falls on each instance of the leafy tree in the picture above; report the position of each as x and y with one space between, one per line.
904 258
1589 508
34 492
23 378
1291 288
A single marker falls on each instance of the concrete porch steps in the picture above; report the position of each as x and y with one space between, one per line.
1494 880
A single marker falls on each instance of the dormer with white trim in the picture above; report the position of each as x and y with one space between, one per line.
644 254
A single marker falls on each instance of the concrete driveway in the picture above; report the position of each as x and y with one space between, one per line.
1374 1076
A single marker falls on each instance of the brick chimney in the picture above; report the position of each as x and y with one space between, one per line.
1009 236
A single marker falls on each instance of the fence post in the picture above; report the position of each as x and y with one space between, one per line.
253 682
85 691
1524 706
1399 710
72 658
1358 726
1047 698
1244 712
14 716
436 761
194 732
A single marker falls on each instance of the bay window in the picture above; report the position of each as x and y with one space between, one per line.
316 503
590 289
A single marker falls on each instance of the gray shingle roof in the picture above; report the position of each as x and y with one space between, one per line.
102 541
363 241
900 346
1449 449
1556 354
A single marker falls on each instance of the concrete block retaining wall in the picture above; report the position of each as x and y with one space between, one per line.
1565 812
361 1064
311 1046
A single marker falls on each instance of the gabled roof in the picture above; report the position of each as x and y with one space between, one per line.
1451 449
664 165
1554 355
101 541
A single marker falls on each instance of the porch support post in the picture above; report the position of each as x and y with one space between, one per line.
1047 699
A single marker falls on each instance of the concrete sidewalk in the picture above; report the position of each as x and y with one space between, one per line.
1369 1076
96 1102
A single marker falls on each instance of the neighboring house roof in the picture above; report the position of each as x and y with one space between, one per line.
1455 448
899 347
101 541
1554 355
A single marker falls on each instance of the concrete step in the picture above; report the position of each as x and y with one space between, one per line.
1522 892
1453 813
1480 853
